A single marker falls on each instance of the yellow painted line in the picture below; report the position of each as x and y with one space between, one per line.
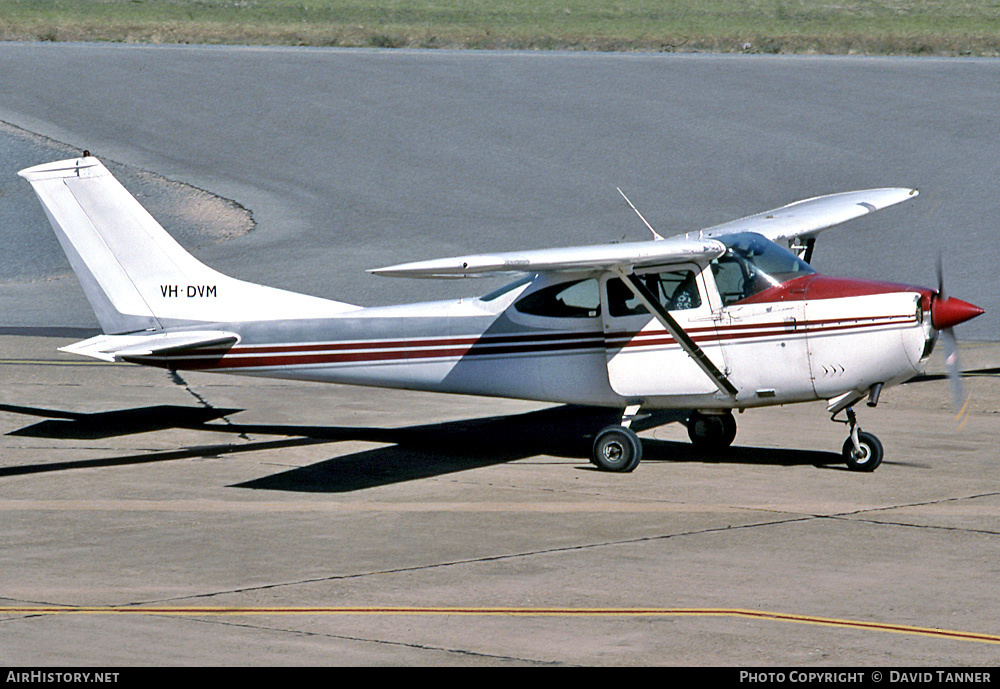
505 612
963 415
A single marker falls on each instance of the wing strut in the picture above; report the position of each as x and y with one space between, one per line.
678 333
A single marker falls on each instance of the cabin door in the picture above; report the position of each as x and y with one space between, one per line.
643 358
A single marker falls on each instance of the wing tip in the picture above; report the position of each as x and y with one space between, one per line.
61 168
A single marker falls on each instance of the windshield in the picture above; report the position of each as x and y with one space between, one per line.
753 264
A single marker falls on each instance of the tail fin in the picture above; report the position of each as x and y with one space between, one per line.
134 274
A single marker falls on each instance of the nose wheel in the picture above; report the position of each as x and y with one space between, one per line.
867 456
862 450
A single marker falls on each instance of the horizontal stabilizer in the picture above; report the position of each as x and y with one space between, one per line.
571 259
810 217
122 347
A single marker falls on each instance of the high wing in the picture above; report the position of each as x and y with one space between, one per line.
797 222
803 220
597 257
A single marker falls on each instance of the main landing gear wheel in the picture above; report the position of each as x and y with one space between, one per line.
711 431
869 456
616 448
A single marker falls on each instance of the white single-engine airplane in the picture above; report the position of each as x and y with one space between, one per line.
707 322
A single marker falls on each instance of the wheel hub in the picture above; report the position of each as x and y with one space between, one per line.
614 451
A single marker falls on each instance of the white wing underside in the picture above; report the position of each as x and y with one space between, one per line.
802 219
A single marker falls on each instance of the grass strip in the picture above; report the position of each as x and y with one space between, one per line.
885 27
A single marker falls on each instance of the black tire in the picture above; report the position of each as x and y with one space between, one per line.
616 448
871 449
712 431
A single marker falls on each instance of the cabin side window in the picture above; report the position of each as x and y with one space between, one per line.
579 299
733 279
675 290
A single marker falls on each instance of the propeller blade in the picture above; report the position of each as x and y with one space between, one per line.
940 277
959 402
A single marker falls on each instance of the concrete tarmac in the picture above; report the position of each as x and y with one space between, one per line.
232 521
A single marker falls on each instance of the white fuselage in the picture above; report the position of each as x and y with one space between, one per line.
791 349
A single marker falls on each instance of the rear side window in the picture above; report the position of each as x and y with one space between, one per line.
579 299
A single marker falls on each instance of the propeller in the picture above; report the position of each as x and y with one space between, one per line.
946 313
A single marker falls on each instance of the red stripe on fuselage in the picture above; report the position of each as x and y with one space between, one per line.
758 331
270 356
469 341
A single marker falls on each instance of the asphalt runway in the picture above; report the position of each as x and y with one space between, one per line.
228 521
355 159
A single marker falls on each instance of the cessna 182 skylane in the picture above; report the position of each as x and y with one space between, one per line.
707 322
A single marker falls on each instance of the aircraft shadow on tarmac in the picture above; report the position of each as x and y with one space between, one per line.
94 426
410 461
972 373
411 453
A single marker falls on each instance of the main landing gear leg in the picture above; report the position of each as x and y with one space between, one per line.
618 448
862 451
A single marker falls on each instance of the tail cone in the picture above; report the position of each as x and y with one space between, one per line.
947 313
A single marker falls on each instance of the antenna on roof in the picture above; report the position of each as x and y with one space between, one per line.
656 235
